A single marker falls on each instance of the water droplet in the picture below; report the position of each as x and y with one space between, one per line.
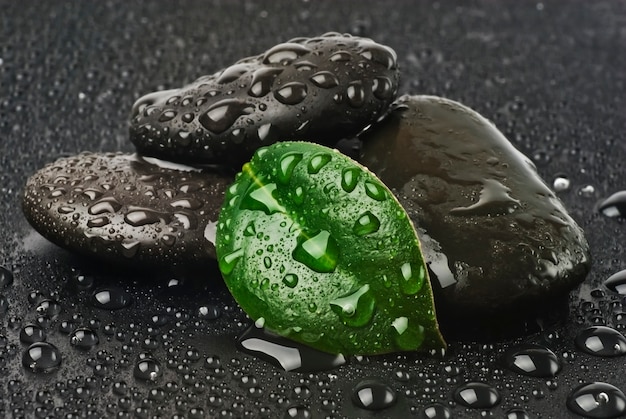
187 203
233 72
477 395
597 400
284 53
291 93
317 162
285 353
223 114
290 280
167 115
587 191
405 335
340 56
41 357
298 412
105 205
382 88
436 411
138 217
561 184
288 163
32 333
601 341
356 94
411 281
355 309
47 307
229 261
84 338
367 223
324 79
318 251
147 369
373 395
617 282
380 54
98 222
532 360
262 81
111 298
375 191
261 198
614 205
517 414
350 178
6 277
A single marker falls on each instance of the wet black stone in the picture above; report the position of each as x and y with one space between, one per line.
318 89
124 209
497 240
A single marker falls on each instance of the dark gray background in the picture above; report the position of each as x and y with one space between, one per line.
550 75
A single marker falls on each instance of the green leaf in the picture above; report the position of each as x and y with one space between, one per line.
315 244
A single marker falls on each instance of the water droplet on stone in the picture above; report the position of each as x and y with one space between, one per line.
262 81
291 93
373 395
233 72
223 114
98 222
341 56
324 79
477 395
142 216
601 341
356 94
614 205
382 88
597 400
617 282
284 53
380 54
317 162
367 223
111 298
167 115
84 338
318 251
105 205
355 309
41 357
532 360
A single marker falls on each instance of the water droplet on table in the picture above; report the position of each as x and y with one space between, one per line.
111 298
84 338
617 282
373 395
597 400
614 205
601 341
532 360
41 357
477 395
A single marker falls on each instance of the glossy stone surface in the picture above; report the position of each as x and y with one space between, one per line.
496 238
318 89
128 210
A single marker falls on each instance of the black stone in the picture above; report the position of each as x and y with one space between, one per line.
318 89
498 242
126 209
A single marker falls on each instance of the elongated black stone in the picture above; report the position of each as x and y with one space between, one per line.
496 238
127 209
318 89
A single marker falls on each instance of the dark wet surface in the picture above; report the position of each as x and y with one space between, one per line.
550 76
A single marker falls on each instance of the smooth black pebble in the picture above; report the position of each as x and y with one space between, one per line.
320 89
128 210
497 241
